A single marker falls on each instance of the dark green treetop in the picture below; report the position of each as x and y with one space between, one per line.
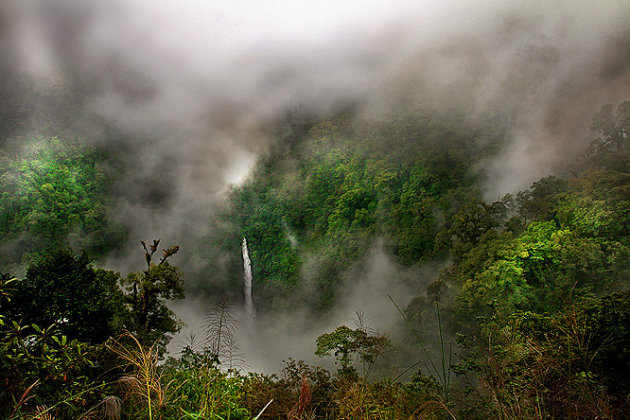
63 289
146 293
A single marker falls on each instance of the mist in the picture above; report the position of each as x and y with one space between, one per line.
192 91
366 299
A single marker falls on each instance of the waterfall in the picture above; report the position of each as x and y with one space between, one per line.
247 284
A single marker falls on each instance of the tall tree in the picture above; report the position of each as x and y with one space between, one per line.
610 150
51 189
147 291
63 289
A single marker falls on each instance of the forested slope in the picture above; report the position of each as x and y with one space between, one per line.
55 191
528 317
327 190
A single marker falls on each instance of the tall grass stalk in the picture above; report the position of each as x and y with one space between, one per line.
25 397
445 364
443 373
147 382
43 411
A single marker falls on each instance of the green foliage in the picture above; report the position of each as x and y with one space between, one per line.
345 343
570 365
192 386
54 190
474 222
315 207
529 283
311 392
64 291
545 344
541 199
146 293
40 367
611 151
578 246
208 394
606 324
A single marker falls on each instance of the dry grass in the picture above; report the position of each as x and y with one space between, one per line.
299 411
145 386
25 397
111 408
544 377
41 413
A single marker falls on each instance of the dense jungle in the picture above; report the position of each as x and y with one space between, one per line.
314 212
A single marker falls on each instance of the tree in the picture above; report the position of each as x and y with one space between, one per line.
146 292
539 201
576 244
63 290
615 126
470 226
50 189
345 342
221 344
40 367
611 150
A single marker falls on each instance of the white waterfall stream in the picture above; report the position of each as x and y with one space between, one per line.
247 284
